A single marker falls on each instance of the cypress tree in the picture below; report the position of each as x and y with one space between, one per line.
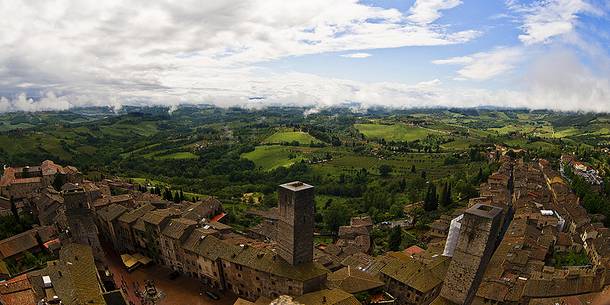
395 239
14 211
446 195
431 199
168 195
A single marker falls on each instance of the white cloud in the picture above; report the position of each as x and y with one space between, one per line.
544 20
540 21
459 60
63 54
567 86
138 51
427 11
485 65
356 55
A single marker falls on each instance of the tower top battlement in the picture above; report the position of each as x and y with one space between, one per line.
296 186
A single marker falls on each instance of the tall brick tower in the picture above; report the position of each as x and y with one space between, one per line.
476 242
296 222
81 221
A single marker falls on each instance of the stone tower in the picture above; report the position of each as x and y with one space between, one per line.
81 221
296 222
476 242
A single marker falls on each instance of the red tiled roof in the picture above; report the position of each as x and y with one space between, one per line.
17 291
8 176
26 180
49 167
413 250
24 241
218 217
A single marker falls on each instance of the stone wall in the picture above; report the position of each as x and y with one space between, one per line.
476 243
563 282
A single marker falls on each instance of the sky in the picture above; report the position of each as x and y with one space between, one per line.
59 54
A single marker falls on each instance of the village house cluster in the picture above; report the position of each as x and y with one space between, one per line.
500 249
590 174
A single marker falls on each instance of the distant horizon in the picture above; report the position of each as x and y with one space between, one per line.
127 109
535 54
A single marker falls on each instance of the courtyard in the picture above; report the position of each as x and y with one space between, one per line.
182 290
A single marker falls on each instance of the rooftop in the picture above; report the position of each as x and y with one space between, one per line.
328 297
111 212
415 273
74 276
17 291
484 210
296 186
24 241
132 216
353 280
178 227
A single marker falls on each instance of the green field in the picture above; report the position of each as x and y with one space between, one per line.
290 136
145 128
395 132
135 151
433 164
273 156
460 144
568 132
178 156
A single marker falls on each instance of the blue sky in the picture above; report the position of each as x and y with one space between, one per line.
552 54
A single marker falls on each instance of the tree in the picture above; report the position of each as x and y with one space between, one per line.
14 211
270 200
377 199
385 170
431 200
446 195
395 238
465 190
338 214
480 175
328 202
402 185
29 260
167 195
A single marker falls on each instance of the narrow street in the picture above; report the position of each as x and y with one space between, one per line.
183 290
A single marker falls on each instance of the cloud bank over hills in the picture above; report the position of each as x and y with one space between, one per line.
63 54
